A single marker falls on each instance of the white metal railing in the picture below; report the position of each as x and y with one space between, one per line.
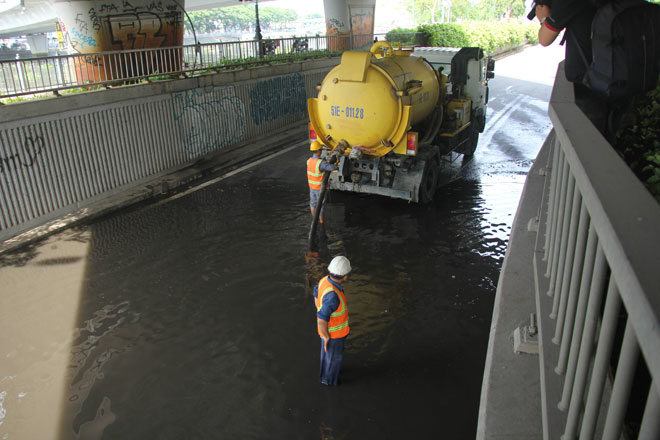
54 73
598 286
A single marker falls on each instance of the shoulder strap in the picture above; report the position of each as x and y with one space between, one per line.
584 58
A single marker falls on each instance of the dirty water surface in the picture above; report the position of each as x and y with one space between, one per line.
196 319
193 317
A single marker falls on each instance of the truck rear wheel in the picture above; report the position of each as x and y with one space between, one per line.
429 182
471 144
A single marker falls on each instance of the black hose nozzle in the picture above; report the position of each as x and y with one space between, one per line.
317 211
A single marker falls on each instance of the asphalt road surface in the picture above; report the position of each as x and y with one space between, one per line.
192 317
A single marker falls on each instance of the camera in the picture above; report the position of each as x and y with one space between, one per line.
535 3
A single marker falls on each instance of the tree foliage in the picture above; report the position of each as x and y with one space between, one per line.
639 143
449 11
240 18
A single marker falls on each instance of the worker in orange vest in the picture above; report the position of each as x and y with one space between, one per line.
315 168
332 318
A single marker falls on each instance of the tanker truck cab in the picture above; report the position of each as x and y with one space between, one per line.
390 117
468 71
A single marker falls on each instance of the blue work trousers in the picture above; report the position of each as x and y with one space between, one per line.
331 361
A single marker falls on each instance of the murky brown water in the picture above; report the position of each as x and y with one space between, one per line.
193 318
196 319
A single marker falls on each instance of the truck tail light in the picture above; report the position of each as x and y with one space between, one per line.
411 145
312 133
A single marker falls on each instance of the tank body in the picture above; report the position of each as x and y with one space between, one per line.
391 119
371 102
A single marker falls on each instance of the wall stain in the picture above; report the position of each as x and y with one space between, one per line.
277 98
208 118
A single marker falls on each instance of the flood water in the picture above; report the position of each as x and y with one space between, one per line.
196 318
192 317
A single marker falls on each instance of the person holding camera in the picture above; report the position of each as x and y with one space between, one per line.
575 16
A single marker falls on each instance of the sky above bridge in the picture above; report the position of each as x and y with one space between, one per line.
39 15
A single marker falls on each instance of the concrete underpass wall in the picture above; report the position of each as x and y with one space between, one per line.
58 155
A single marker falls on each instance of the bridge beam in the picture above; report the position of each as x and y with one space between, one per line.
38 44
26 17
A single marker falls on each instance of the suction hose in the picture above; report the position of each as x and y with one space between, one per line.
436 123
317 211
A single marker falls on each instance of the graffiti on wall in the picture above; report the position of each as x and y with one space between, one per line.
90 26
103 25
362 24
278 97
136 31
362 20
338 33
152 26
208 118
335 26
82 41
30 149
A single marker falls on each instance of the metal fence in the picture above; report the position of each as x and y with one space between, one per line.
54 73
599 321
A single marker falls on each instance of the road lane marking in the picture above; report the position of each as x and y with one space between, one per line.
231 173
501 118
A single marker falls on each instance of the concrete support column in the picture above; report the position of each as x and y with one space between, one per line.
38 44
103 25
350 23
90 26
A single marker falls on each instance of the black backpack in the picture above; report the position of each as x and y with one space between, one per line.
625 48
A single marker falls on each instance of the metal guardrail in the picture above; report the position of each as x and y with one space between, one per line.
54 73
599 267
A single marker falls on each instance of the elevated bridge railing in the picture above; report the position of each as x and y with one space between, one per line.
597 278
54 73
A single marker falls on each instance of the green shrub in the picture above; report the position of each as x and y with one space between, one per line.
532 33
490 36
405 37
446 34
639 144
280 58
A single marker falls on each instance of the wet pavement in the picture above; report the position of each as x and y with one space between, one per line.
193 317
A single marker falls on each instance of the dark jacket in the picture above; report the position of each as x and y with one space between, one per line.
575 16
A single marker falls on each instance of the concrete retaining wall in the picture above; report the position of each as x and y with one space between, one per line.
61 154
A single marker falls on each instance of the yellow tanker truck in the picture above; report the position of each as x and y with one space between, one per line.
394 114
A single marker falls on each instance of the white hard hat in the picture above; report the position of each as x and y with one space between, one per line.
339 266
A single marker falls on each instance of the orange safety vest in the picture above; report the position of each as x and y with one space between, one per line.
338 324
314 173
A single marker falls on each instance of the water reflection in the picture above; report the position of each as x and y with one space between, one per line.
315 270
197 317
25 254
327 433
93 430
41 290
